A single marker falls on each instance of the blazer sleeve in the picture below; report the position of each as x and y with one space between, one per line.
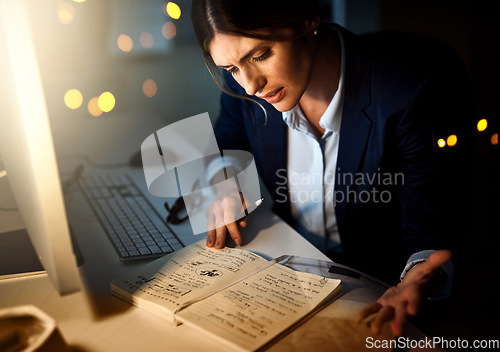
230 128
416 98
434 196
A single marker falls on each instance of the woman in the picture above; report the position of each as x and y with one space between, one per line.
343 132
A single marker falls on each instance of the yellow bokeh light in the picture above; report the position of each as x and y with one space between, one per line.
106 101
73 99
494 139
146 40
93 107
173 10
452 140
125 43
65 12
169 30
482 125
149 88
441 143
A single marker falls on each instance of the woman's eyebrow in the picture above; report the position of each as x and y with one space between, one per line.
247 55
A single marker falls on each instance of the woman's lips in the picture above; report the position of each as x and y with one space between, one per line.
275 97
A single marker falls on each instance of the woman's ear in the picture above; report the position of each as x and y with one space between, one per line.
314 25
311 26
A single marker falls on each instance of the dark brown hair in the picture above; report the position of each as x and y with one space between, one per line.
261 19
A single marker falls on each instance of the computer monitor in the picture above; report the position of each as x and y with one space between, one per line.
27 150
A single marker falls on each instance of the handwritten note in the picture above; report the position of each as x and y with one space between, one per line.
233 294
255 310
192 272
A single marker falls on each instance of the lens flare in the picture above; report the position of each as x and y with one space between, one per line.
452 140
125 43
93 107
494 139
173 10
106 101
149 88
146 40
482 125
65 12
169 30
73 99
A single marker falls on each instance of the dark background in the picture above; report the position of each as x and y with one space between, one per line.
472 28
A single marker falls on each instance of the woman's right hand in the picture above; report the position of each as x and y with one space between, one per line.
222 219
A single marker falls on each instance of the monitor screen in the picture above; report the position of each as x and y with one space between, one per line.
27 151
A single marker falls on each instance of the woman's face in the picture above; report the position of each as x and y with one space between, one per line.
278 72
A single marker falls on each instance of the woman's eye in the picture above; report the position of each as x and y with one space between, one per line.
262 57
232 70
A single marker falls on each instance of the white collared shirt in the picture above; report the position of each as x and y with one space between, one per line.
311 179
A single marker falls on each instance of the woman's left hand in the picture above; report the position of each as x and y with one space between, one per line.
404 300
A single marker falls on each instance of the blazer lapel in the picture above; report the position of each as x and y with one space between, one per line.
356 124
272 139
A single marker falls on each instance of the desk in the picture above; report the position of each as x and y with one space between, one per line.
95 320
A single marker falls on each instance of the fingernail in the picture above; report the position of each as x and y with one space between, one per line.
217 244
237 241
209 241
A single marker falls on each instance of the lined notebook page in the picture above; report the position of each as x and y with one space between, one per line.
255 310
191 272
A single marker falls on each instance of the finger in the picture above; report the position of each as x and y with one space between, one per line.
385 314
218 213
370 309
243 222
211 235
234 232
400 319
220 239
230 209
210 228
219 226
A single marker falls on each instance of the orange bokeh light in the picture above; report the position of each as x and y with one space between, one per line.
452 140
494 139
169 30
125 43
149 88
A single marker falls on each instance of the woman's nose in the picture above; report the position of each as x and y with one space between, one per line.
253 82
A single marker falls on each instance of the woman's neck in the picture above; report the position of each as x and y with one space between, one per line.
323 82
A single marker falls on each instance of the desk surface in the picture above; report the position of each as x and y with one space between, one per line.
95 320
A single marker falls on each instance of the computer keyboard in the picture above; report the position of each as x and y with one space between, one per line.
132 224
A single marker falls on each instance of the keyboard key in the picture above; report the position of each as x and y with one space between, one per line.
177 246
155 249
166 248
144 250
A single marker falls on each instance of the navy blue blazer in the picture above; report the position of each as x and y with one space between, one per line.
402 93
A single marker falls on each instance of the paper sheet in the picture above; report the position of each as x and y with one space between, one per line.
190 273
255 310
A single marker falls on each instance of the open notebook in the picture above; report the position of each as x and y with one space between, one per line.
233 294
